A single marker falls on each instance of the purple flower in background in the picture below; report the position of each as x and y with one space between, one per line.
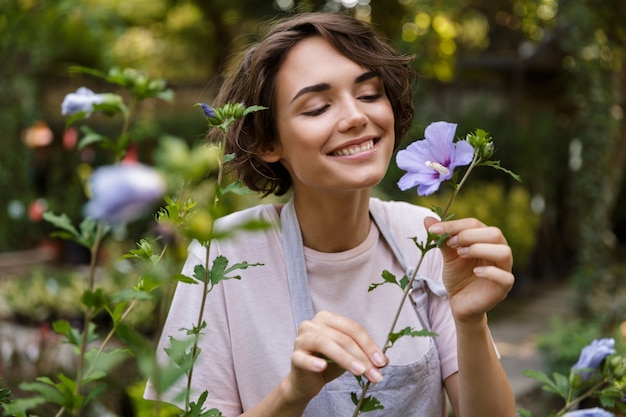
122 193
592 355
82 100
431 161
589 412
208 110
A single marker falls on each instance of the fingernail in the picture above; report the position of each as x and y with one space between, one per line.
357 368
462 251
378 359
374 375
437 229
479 271
453 241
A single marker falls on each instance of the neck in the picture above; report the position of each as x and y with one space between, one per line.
334 223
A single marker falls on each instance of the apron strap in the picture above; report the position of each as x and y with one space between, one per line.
293 250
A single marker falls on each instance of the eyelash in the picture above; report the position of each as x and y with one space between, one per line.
317 112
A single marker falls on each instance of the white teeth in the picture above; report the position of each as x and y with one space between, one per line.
353 150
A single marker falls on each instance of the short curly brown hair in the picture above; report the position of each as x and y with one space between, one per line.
253 82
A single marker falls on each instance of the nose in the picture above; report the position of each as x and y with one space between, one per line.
353 116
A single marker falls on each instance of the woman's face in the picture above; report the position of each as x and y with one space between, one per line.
335 123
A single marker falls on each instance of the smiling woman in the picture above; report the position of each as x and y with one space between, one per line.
290 337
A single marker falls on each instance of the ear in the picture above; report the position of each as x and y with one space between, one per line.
271 155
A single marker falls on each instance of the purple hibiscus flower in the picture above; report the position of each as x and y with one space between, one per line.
431 161
592 355
82 100
122 193
589 412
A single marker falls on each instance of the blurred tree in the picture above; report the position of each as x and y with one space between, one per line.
596 46
35 37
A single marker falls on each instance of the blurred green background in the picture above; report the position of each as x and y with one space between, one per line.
546 78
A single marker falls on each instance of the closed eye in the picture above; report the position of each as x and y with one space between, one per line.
371 97
316 112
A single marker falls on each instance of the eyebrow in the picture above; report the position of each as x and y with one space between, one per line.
325 86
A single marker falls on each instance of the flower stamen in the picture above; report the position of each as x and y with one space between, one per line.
441 169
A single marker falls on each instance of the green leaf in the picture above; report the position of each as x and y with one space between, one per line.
90 137
200 273
496 165
409 331
75 117
370 403
388 278
196 409
184 278
86 70
96 299
524 413
63 222
19 406
46 388
219 271
252 109
549 384
102 363
235 187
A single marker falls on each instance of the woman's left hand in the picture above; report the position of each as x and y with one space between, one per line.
477 266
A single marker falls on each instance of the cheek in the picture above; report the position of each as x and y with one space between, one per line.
384 117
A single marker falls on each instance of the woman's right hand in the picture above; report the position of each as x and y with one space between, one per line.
326 347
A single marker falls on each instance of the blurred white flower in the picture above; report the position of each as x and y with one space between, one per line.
122 193
82 100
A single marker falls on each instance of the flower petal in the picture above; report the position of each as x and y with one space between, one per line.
122 193
440 138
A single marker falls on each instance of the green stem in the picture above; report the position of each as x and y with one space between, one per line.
409 285
88 314
206 281
569 404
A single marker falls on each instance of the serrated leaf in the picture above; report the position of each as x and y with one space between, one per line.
409 331
63 222
200 273
388 278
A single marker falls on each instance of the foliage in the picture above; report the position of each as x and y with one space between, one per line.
599 374
187 214
45 295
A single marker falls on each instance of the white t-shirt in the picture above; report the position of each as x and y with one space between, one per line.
248 341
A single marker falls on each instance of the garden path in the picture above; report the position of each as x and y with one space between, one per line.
517 327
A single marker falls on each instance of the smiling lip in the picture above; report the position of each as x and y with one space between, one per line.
356 148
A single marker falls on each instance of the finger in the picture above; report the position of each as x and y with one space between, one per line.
501 277
453 226
356 332
316 339
485 234
495 254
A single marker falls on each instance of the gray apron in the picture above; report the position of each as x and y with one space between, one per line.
413 390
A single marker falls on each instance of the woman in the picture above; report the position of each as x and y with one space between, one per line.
289 337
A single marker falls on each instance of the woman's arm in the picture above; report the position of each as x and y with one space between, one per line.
477 275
